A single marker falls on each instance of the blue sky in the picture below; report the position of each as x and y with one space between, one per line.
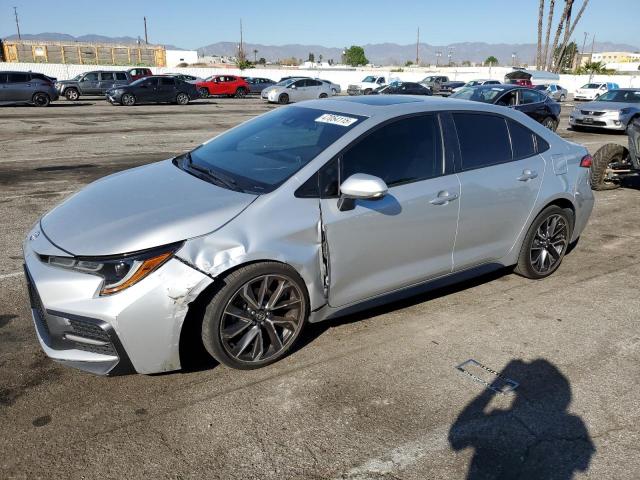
191 24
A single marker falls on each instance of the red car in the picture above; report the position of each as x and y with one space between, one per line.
228 85
137 73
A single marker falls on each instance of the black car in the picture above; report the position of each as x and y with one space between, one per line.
532 102
257 84
154 89
402 88
446 88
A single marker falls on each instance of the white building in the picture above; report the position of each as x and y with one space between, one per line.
176 57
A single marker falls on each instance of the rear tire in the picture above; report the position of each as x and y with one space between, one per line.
283 99
41 99
546 243
256 316
72 94
323 95
550 123
182 98
609 153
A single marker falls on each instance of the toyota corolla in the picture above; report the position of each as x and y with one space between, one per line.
302 214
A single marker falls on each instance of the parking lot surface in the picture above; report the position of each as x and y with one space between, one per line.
374 395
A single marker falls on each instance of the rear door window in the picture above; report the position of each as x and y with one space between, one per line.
530 96
106 76
522 140
121 76
404 151
484 140
18 77
167 81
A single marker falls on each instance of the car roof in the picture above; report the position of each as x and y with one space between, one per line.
396 105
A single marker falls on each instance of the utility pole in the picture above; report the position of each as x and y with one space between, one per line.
417 47
146 37
241 47
15 12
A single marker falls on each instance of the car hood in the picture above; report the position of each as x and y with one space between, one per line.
142 208
607 106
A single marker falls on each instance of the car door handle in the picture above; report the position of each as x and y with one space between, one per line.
527 175
443 198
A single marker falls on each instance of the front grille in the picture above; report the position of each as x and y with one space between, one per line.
36 304
594 114
92 332
596 123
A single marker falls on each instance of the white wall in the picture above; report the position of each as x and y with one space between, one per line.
342 77
176 57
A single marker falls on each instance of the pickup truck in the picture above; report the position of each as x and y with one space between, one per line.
613 163
434 82
367 85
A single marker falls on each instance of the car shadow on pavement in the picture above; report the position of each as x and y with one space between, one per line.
535 438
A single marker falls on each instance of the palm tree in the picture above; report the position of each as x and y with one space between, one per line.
563 18
569 34
552 5
255 54
540 15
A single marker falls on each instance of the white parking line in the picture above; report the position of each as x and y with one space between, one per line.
10 275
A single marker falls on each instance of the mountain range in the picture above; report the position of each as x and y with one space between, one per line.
378 53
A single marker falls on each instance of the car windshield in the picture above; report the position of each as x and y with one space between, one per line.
621 96
592 85
486 95
286 83
77 77
473 83
261 154
369 79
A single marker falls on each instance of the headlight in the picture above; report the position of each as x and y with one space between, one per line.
118 272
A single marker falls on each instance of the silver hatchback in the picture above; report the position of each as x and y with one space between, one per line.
302 214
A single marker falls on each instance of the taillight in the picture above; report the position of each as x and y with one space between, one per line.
586 161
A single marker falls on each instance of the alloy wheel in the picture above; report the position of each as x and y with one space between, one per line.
549 123
549 244
128 99
41 100
262 318
182 99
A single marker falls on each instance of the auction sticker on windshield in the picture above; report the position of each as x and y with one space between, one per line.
334 119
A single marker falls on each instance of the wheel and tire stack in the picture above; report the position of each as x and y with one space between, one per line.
602 160
256 316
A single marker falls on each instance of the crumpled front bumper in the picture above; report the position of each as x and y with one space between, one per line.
137 329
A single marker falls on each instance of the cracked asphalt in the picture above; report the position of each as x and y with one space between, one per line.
370 396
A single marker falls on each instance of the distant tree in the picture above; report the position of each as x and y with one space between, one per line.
466 63
594 68
320 58
312 58
540 17
354 56
491 60
255 52
408 63
262 61
244 64
292 61
330 62
563 60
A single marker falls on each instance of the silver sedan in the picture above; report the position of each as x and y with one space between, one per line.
612 110
302 214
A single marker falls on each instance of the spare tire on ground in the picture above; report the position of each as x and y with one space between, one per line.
610 153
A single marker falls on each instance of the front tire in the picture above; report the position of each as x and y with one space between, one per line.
368 91
128 100
563 97
41 100
204 93
283 99
256 316
602 159
72 94
241 93
546 243
323 95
